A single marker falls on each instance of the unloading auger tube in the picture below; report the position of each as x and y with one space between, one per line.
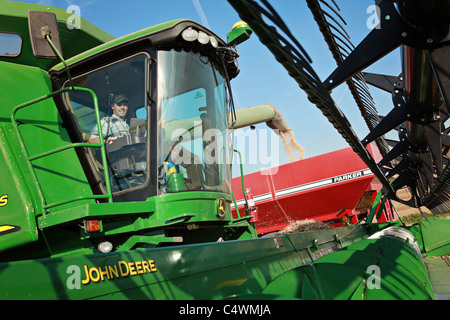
272 116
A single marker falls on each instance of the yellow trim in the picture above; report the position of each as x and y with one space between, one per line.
239 24
6 228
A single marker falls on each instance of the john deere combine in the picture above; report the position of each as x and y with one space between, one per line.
115 155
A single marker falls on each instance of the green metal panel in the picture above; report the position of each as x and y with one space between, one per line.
165 210
229 269
396 251
39 130
55 187
439 272
23 198
203 271
435 235
330 281
14 18
42 131
33 83
399 272
16 207
415 230
384 268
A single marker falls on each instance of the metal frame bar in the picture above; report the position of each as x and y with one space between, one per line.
29 159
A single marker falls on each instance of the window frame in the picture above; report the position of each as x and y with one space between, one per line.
20 47
77 127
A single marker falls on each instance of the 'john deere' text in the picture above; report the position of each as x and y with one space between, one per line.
120 270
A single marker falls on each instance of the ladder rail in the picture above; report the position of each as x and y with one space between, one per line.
29 159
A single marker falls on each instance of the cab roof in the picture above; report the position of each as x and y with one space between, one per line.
160 34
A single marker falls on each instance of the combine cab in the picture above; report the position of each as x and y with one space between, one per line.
81 178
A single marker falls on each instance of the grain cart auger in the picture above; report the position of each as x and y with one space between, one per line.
116 179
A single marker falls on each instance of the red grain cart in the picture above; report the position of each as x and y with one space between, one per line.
319 188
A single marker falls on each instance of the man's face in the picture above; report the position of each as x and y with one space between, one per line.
120 109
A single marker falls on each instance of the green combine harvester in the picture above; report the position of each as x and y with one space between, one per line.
115 155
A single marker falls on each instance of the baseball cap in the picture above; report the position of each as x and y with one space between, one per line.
120 98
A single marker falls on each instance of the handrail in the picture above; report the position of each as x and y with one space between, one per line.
247 210
29 159
231 187
243 190
242 179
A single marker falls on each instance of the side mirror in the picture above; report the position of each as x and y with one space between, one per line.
40 24
239 33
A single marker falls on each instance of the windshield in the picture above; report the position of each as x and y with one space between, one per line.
121 91
193 142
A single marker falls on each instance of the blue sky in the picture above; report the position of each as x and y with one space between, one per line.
262 80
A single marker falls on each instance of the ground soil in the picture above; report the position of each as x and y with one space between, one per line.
405 210
411 214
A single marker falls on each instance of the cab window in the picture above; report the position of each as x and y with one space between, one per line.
10 44
121 92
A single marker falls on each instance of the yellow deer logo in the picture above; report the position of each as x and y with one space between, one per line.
221 207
